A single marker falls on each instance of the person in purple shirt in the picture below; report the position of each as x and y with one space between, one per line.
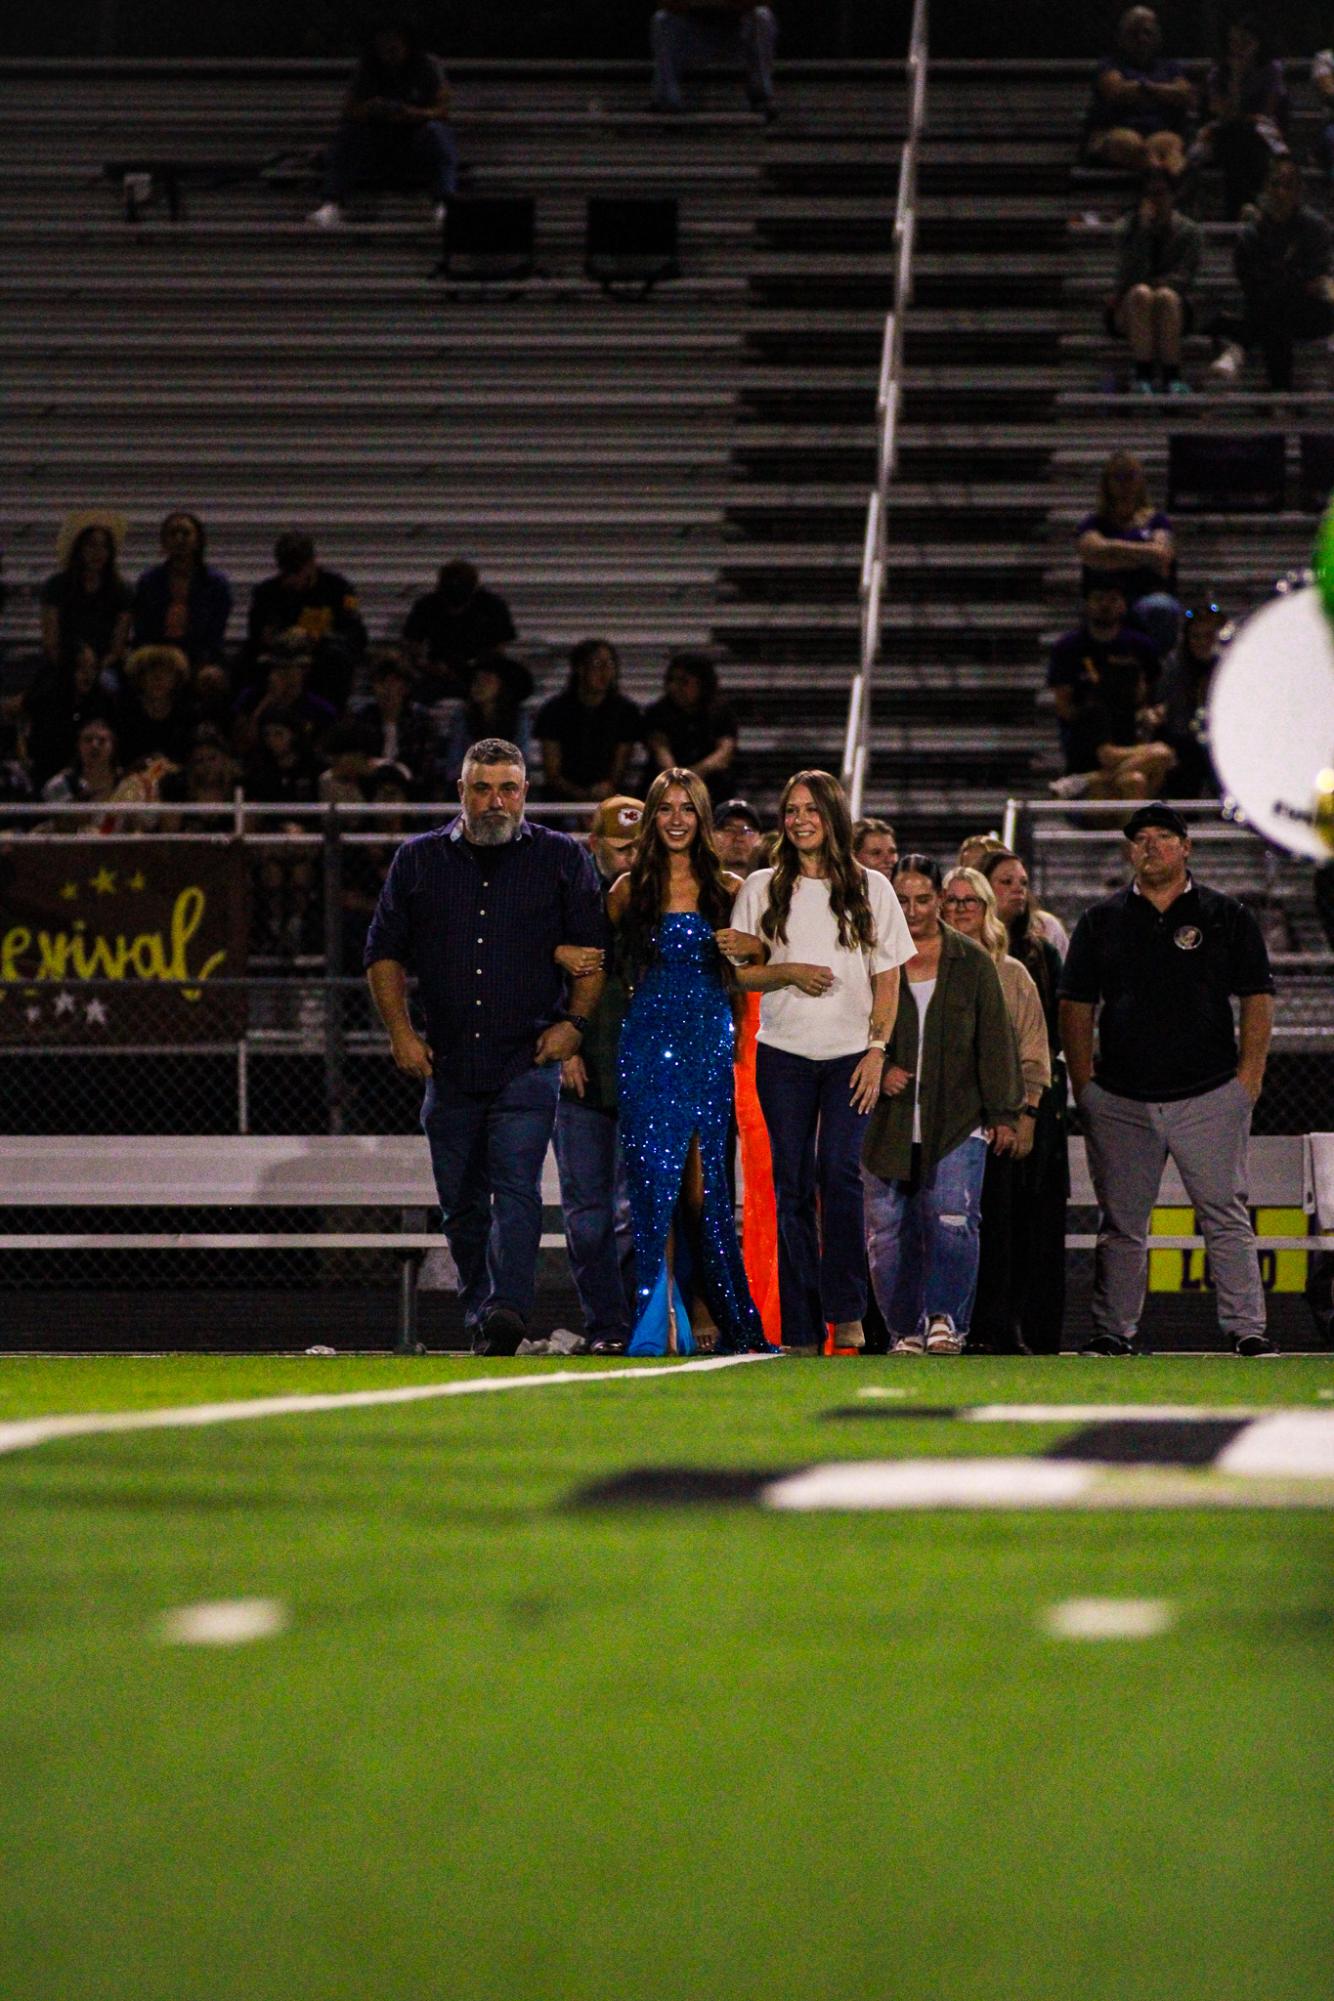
476 910
1128 544
1142 103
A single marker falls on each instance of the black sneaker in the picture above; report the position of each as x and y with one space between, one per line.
1255 1344
500 1333
1108 1344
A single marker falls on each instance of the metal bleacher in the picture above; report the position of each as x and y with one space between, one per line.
655 469
689 468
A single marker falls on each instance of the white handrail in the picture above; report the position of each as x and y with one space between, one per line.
889 387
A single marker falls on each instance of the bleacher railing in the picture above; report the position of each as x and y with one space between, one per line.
889 398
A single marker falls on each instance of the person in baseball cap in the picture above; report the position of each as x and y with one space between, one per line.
1156 813
587 1137
737 829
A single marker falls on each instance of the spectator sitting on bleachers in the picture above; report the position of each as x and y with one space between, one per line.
1158 260
452 626
1142 101
1102 675
492 706
53 711
394 128
686 33
689 727
1322 81
281 683
96 770
1128 545
209 777
1246 110
320 605
155 715
589 731
1183 699
394 723
86 603
365 867
348 750
182 601
1282 261
283 771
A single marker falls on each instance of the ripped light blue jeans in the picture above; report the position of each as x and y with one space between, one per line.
922 1241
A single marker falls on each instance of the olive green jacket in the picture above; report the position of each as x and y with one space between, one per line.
969 1062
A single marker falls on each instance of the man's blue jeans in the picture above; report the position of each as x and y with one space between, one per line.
922 1241
377 155
598 1233
486 1154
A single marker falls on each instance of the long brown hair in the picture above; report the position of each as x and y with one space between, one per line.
847 878
650 872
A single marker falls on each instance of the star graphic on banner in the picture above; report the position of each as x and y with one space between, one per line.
64 1004
104 882
68 891
138 880
96 1011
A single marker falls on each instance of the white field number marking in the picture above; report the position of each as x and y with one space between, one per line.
223 1622
1107 1618
20 1434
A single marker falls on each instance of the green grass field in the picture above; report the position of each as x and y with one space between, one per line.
511 1747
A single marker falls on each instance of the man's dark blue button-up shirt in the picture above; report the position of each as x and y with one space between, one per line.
479 927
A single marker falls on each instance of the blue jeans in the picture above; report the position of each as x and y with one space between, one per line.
922 1241
598 1233
681 43
815 1138
376 155
486 1154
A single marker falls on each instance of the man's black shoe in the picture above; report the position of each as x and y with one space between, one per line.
500 1333
1255 1344
1108 1344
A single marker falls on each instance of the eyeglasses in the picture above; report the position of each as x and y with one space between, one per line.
961 903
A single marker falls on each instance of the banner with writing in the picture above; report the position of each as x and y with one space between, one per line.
92 931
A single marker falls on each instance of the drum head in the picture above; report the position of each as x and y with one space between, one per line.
1271 720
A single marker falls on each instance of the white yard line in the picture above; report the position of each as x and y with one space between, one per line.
20 1434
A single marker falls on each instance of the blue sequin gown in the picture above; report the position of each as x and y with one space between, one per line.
675 1081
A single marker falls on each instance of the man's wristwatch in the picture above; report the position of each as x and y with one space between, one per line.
579 1021
877 1042
1028 1111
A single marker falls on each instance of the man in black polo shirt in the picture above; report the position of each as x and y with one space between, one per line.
1163 958
476 910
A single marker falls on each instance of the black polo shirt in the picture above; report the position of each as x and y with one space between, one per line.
479 927
1165 981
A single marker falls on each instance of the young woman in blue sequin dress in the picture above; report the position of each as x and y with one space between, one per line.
675 1074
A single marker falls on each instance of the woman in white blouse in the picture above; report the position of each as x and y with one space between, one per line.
821 940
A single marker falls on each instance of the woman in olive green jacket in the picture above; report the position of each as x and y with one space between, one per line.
951 1088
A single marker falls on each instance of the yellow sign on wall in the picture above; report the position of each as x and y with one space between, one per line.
1188 1271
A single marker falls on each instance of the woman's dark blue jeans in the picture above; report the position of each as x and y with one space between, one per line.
815 1138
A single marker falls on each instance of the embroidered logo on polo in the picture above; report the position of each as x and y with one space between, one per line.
1189 938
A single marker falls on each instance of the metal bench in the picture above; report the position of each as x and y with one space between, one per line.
235 1172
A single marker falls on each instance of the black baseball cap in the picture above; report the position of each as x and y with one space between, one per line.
737 809
1156 814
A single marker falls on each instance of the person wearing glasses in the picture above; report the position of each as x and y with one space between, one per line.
951 1090
968 904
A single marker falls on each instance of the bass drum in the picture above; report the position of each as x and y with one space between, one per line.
1271 724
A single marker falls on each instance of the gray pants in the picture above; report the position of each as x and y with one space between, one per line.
1128 1145
681 42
